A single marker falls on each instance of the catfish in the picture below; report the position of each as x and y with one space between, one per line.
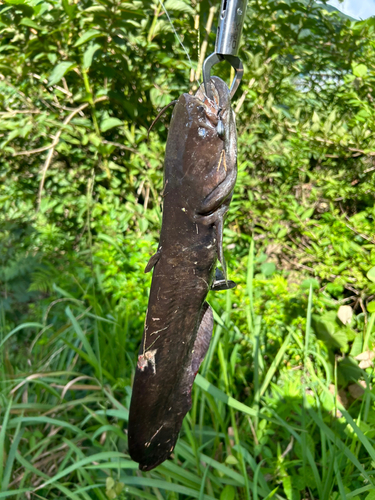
200 171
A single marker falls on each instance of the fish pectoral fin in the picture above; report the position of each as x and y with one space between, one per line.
220 283
152 262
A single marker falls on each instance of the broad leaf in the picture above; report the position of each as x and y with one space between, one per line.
31 24
110 123
59 71
360 71
87 36
371 274
178 6
89 54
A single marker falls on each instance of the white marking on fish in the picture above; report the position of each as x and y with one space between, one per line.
158 331
145 359
152 437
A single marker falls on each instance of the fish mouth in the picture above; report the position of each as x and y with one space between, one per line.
218 109
221 96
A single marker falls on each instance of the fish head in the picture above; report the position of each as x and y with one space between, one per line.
201 148
218 109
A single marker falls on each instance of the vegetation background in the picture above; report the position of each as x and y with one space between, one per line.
284 404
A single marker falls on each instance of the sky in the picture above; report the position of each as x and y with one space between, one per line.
359 9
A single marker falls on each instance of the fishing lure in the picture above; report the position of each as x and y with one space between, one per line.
200 172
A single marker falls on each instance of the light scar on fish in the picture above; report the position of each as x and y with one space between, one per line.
222 159
154 435
145 328
163 193
158 331
148 356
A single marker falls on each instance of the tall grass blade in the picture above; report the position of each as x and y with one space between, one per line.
77 465
369 329
29 467
272 494
163 485
274 365
4 424
338 443
82 337
203 484
339 481
249 284
11 456
8 494
18 328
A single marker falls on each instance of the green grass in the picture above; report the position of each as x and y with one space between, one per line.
265 421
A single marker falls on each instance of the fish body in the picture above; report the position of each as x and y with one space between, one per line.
200 171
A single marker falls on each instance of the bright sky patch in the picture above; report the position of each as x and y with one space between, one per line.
359 9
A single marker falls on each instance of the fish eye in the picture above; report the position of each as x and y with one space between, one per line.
220 130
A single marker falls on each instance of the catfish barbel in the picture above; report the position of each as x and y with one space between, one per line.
200 171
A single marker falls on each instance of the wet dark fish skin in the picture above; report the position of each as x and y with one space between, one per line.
198 184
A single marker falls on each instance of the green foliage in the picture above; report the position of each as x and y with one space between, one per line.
284 405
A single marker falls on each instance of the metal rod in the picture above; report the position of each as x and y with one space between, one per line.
231 20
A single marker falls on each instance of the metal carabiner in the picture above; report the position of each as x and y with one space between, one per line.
232 17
